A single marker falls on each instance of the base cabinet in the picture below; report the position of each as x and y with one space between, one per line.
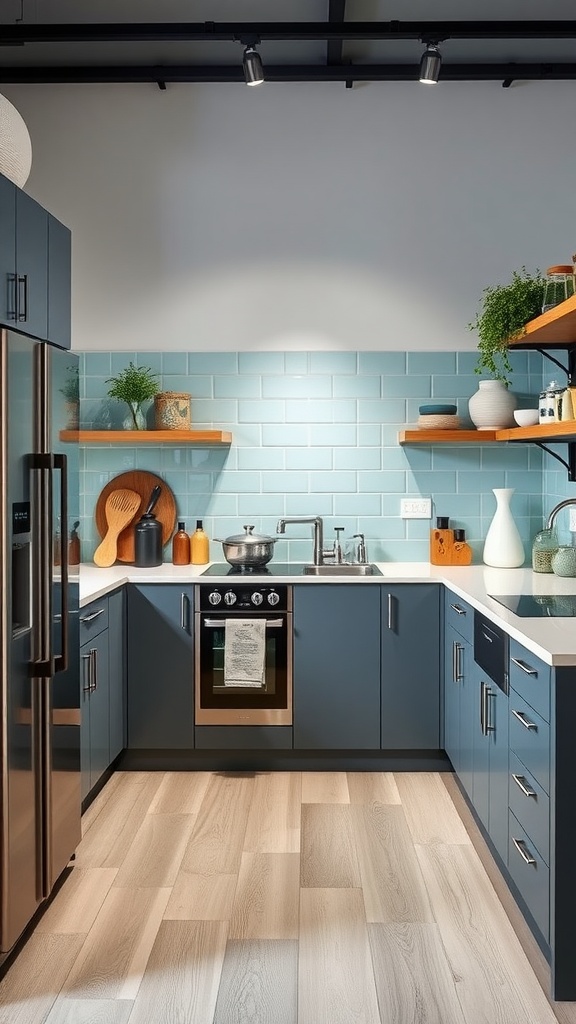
490 759
336 667
95 711
410 667
160 667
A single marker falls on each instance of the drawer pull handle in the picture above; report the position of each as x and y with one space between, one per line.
524 721
456 608
521 847
457 673
524 666
94 615
521 783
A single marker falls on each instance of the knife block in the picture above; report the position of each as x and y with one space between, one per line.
444 550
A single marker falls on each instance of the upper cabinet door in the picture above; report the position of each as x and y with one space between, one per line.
31 266
7 252
59 283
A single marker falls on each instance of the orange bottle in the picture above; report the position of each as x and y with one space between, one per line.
181 547
200 545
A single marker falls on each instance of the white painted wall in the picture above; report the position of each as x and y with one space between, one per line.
299 216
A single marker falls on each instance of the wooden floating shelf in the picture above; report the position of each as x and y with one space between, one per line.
138 437
547 432
555 327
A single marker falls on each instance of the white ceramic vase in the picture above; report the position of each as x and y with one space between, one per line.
492 406
503 546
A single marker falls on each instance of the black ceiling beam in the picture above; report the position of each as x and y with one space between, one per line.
14 35
505 72
336 11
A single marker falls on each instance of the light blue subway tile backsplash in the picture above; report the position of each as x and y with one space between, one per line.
315 433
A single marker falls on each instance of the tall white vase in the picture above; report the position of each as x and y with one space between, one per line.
492 406
503 546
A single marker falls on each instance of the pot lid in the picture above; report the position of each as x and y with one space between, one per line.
250 538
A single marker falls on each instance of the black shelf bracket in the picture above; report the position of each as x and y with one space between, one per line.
566 369
569 464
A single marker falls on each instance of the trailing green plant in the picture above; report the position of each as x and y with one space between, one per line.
133 385
505 310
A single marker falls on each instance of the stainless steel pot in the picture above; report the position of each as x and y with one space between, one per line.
248 549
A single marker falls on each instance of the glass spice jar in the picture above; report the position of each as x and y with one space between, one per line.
558 287
544 547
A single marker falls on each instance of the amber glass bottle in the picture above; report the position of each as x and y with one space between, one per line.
181 547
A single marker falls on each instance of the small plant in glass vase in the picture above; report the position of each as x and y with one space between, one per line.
134 385
505 310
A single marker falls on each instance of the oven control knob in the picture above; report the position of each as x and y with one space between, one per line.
229 598
214 598
256 597
273 597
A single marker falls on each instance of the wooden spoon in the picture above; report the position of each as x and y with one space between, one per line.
121 506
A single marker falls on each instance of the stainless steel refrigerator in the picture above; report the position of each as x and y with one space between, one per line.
40 706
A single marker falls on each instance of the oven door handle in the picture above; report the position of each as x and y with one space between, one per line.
218 623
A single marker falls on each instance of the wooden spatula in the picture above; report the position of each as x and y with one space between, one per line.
121 506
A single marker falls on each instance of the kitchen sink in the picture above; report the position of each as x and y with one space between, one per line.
364 569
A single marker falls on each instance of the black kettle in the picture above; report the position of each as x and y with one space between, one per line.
148 535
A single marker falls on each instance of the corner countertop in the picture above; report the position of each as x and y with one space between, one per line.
551 639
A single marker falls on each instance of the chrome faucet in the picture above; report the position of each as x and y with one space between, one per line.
318 525
557 508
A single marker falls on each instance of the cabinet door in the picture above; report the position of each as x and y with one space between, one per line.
411 667
7 252
498 812
337 667
160 667
117 662
481 746
59 283
31 266
468 719
95 720
454 650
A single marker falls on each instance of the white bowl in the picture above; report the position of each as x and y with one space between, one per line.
526 417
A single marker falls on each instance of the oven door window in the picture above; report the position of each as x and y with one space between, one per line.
214 693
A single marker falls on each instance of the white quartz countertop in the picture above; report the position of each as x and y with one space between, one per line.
552 639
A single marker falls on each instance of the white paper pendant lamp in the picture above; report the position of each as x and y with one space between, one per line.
15 145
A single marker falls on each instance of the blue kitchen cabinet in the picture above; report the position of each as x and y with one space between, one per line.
490 759
337 667
117 670
411 645
458 703
95 711
160 667
35 268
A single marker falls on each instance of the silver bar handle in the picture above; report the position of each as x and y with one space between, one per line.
457 672
184 612
93 669
489 693
218 623
391 613
456 608
521 783
92 616
521 847
61 660
482 709
524 721
524 666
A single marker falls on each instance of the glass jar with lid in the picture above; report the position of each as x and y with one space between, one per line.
544 547
559 285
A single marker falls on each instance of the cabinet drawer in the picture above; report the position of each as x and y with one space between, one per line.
459 614
93 619
530 739
530 874
531 678
530 806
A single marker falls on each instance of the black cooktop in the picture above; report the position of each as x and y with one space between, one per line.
529 606
266 571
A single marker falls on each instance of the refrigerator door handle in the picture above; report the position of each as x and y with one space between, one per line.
61 660
42 665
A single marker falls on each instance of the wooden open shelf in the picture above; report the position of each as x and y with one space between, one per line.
557 327
138 437
549 432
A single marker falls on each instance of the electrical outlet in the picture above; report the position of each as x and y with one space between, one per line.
416 508
573 519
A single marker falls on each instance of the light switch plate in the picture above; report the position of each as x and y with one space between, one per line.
416 508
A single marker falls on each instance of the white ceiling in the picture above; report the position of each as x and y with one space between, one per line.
27 13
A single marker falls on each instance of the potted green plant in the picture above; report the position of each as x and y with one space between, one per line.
71 391
505 310
134 385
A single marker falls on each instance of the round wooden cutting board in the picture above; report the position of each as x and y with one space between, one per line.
143 482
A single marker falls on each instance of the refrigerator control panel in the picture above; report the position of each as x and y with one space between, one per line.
20 517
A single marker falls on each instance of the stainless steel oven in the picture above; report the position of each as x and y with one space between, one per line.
217 702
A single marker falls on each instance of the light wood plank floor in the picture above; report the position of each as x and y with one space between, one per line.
278 898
